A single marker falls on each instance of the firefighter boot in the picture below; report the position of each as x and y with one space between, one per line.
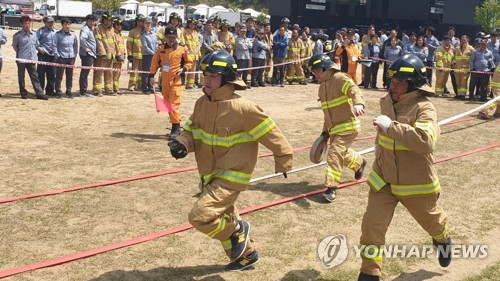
175 132
444 250
239 240
366 277
244 262
330 194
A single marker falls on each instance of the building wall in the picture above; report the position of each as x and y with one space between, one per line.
460 12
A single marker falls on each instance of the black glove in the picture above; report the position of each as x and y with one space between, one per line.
325 134
129 58
177 149
119 58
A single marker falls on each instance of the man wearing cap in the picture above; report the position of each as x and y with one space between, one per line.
149 45
120 53
134 53
24 43
88 51
65 46
193 46
481 61
44 46
106 52
242 53
173 61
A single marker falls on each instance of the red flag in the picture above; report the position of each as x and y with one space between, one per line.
163 105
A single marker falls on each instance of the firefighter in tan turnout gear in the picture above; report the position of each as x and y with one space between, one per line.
134 52
295 51
494 108
403 170
342 103
224 132
193 46
106 53
120 52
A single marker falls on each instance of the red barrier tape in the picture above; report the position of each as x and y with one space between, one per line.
159 174
440 68
184 227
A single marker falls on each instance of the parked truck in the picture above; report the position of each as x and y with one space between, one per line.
76 11
233 17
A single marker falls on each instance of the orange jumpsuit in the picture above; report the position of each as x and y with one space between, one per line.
352 52
170 60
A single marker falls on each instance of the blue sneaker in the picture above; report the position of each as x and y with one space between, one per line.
244 262
239 240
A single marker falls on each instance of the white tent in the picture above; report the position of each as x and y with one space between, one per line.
164 5
201 9
200 6
216 9
252 12
130 2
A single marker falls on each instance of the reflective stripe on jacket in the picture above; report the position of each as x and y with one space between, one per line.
134 45
403 157
105 39
462 57
444 56
337 94
224 132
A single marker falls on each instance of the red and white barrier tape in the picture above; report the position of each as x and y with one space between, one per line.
439 68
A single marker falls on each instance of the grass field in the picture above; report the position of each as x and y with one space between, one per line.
63 143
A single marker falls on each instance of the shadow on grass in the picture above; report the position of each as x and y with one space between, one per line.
294 189
139 137
417 276
468 127
302 274
164 273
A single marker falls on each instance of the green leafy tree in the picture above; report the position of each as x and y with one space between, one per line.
488 15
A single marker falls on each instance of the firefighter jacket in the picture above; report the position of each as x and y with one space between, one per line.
192 42
444 57
308 50
120 45
105 39
224 132
462 57
227 38
295 49
403 155
269 40
170 60
337 94
134 45
180 36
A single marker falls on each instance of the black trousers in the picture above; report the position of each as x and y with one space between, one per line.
371 73
47 71
481 81
146 65
69 74
428 71
278 70
31 68
243 64
454 82
257 73
84 74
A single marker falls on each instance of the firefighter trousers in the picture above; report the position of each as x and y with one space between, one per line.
378 215
135 79
341 154
441 80
462 78
190 78
108 75
293 71
116 76
216 215
267 71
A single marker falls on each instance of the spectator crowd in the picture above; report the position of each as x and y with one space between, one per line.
264 57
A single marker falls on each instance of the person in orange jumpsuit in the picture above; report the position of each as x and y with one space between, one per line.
349 55
173 61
